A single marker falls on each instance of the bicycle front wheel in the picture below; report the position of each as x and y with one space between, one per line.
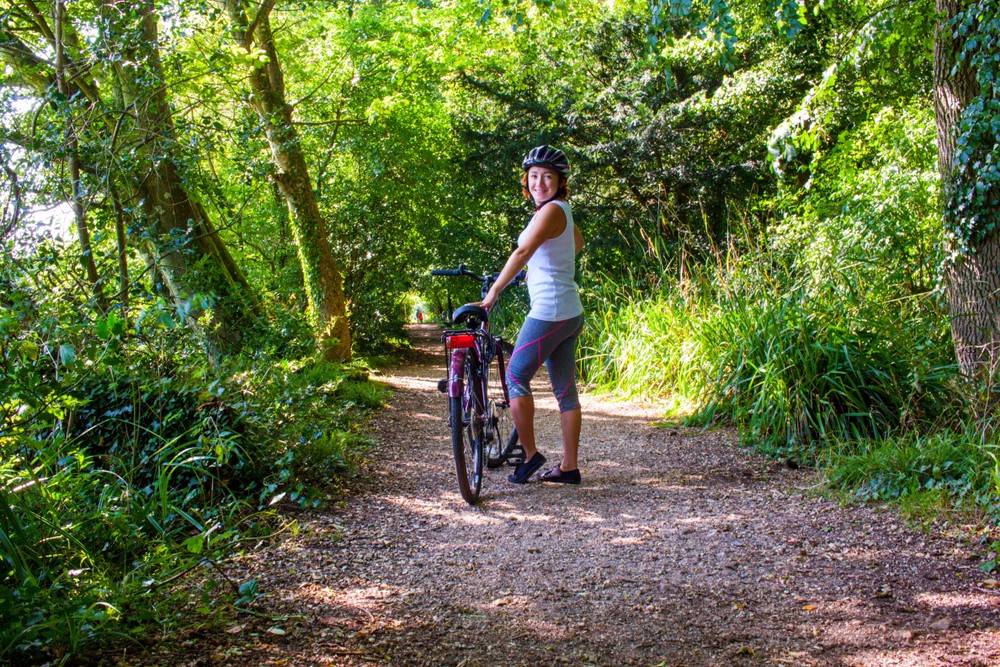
467 418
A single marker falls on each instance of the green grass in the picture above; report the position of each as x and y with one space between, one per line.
941 470
139 469
791 368
849 372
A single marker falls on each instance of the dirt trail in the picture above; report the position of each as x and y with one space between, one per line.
678 549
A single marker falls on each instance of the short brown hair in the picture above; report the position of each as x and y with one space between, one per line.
562 192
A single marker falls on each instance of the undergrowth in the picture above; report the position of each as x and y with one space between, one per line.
128 462
923 472
872 399
819 335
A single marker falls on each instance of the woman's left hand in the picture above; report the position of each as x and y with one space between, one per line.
491 298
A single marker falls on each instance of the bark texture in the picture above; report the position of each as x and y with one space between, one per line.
173 232
322 276
972 280
73 161
189 255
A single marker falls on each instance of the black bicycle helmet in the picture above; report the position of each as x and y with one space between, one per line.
546 156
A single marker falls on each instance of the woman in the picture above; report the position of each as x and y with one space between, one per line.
548 245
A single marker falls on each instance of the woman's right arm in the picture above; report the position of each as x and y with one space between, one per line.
547 224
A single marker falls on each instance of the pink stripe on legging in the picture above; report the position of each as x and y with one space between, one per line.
565 391
539 340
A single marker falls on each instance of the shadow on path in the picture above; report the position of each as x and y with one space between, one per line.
678 549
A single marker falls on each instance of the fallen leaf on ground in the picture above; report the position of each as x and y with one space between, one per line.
941 624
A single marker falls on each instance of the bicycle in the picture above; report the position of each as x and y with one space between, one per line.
478 407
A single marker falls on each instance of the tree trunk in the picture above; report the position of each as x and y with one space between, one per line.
972 279
122 247
73 161
322 276
189 255
174 234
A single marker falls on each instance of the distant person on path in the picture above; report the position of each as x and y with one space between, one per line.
548 245
420 316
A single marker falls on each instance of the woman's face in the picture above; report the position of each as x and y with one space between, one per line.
543 183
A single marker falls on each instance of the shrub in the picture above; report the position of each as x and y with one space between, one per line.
127 458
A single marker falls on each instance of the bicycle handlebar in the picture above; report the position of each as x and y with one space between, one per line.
462 270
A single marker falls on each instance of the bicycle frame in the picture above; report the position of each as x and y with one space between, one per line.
484 419
484 347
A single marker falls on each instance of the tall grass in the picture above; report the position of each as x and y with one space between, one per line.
819 374
644 347
790 365
86 544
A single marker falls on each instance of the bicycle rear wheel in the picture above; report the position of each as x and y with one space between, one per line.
500 437
498 430
466 416
498 421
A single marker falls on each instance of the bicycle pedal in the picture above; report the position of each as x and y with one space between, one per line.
516 456
443 385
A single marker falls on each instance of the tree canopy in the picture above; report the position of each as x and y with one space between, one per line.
218 214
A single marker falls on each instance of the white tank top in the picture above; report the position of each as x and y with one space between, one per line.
553 293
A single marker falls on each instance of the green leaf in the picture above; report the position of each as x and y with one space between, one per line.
248 587
67 354
195 544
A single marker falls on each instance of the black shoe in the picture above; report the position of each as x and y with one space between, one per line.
515 456
524 471
557 474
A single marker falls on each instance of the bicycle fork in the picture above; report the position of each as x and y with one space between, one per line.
513 452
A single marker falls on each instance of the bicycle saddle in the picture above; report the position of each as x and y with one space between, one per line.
471 313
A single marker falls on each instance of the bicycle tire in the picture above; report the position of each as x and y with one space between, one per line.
466 419
498 419
498 430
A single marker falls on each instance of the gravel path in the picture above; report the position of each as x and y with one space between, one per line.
678 549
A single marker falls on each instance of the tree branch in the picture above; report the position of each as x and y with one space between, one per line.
312 92
40 23
36 71
15 197
262 12
337 122
513 101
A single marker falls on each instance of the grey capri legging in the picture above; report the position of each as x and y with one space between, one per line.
555 344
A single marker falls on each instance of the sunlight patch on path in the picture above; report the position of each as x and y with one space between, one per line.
410 382
957 600
453 512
